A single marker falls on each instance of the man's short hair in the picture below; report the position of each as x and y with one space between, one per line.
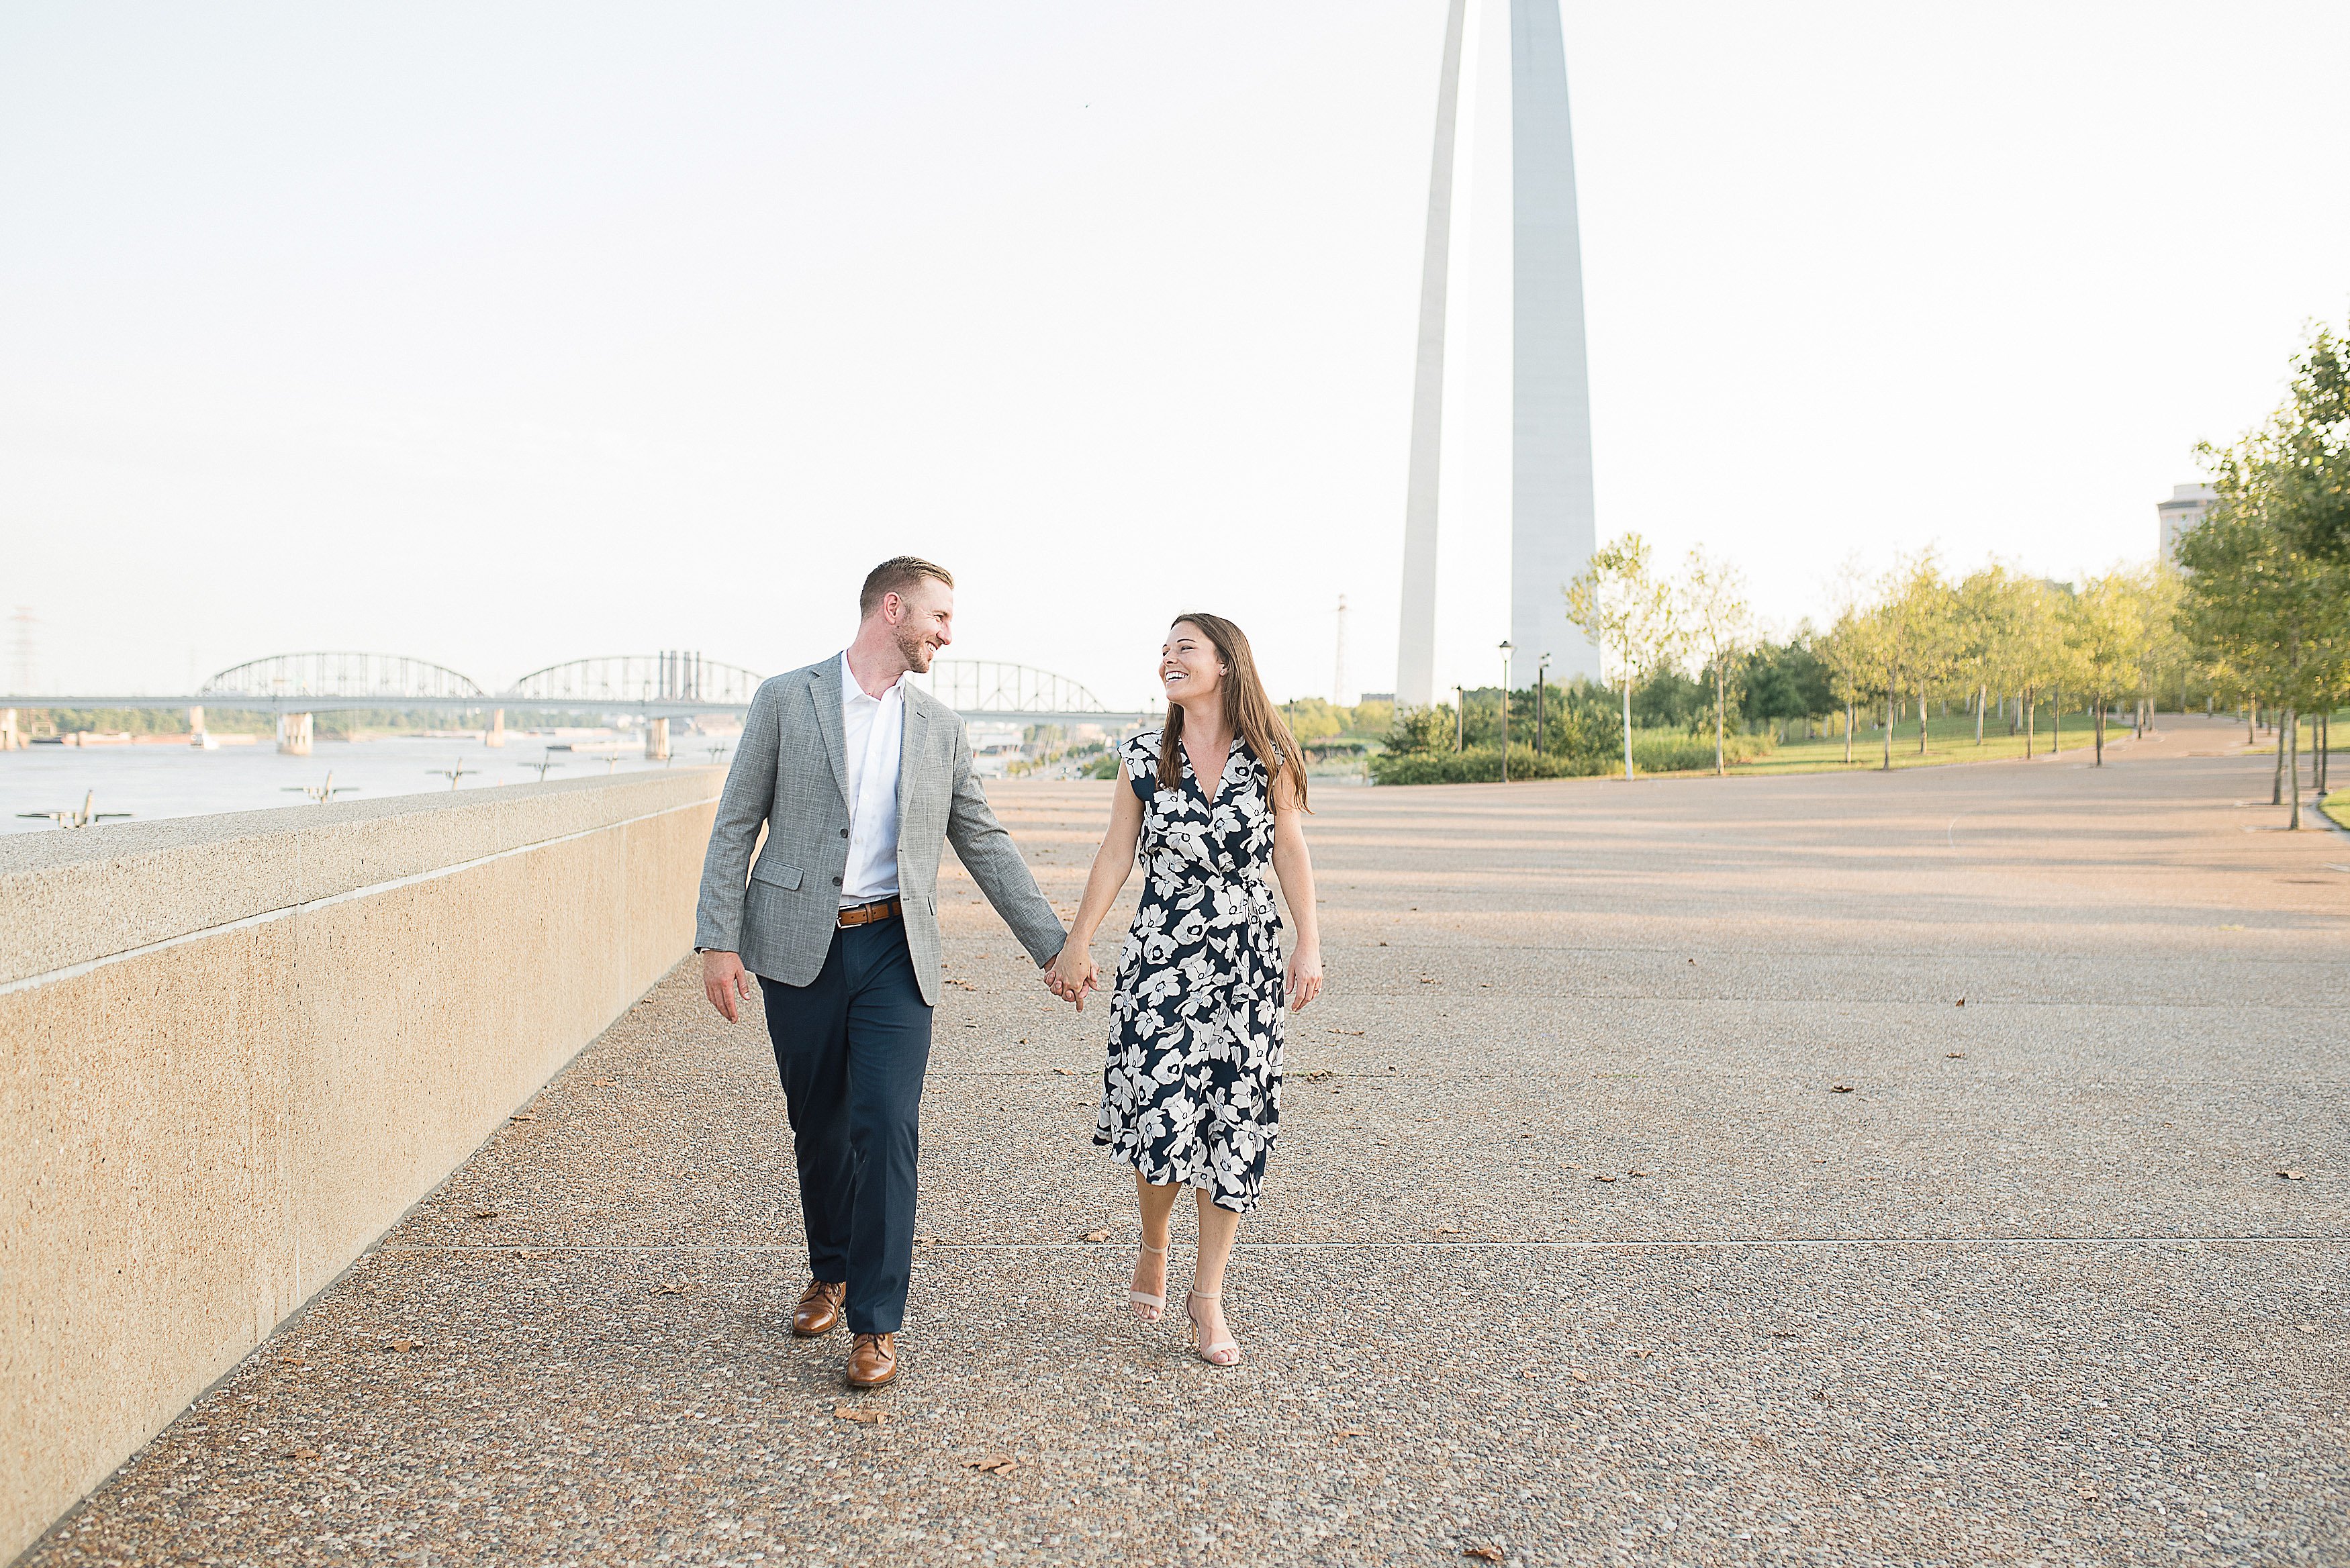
895 576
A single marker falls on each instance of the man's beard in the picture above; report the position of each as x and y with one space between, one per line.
915 648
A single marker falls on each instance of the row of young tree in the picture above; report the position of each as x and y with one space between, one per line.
2266 595
2256 613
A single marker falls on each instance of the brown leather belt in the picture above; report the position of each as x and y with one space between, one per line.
866 914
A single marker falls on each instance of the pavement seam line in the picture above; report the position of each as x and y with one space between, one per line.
511 1247
75 971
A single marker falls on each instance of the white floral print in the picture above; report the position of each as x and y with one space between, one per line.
1191 1090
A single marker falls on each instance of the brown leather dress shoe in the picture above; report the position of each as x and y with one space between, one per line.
873 1360
819 1309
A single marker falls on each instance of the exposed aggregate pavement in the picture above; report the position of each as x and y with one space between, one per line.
1942 1116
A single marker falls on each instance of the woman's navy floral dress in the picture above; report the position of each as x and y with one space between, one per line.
1193 1089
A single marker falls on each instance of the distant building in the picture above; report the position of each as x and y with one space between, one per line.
2187 507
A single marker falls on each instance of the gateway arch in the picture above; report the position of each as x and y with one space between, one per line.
1552 526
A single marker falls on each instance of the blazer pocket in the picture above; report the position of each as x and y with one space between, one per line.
776 875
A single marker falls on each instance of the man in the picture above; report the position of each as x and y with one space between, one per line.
858 775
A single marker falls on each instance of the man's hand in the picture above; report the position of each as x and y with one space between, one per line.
724 981
1072 973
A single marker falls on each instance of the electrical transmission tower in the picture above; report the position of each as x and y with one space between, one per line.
1338 670
26 671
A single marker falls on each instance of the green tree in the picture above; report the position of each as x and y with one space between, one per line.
1846 651
1904 645
1985 613
1313 718
2106 638
1719 621
1786 681
2031 655
2270 610
1622 606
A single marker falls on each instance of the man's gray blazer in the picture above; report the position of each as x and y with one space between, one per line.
791 772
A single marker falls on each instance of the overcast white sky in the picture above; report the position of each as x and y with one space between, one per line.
504 334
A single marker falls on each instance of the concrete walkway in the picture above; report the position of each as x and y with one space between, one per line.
1842 1169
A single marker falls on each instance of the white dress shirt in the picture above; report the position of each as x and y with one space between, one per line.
873 732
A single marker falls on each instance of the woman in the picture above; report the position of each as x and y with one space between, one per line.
1191 1094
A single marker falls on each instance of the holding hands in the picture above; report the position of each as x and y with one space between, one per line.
1072 973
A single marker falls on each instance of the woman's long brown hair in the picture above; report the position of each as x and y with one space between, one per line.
1250 710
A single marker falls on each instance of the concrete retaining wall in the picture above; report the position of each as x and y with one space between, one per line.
233 1050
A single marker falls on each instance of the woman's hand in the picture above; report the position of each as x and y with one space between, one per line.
1072 973
1304 981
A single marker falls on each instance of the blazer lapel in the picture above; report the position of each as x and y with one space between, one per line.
824 693
909 753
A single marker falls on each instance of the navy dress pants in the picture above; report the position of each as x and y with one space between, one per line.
851 1046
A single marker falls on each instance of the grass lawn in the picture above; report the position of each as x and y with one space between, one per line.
1950 740
2337 807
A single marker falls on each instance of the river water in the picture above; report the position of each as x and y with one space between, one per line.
159 781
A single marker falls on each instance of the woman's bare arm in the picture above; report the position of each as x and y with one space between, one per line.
1295 868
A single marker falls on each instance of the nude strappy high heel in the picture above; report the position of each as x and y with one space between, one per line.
1150 1308
1209 1353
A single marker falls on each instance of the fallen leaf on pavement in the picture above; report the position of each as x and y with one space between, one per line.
1095 1236
485 1213
1345 1032
1840 1089
851 1413
995 1465
2293 1175
1448 1230
1963 1002
1578 1377
303 1454
1636 1173
926 1240
524 1116
1603 1176
674 1288
1353 1432
532 1253
1066 1071
1493 1553
400 1344
1954 1055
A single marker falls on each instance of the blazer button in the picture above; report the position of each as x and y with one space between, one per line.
844 833
835 881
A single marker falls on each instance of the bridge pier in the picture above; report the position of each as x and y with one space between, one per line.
294 730
197 736
657 741
495 735
11 738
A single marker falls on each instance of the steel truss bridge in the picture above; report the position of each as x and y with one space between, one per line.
673 683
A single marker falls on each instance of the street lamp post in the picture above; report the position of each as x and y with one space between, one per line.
1542 682
1460 720
1505 709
